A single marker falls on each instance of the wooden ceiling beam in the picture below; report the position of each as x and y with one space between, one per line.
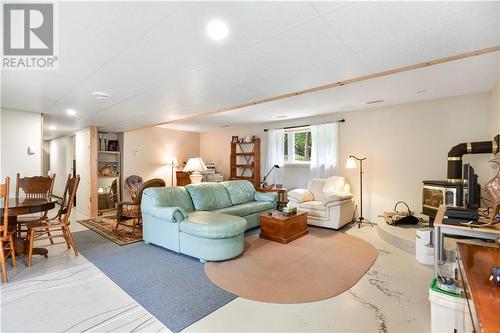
336 84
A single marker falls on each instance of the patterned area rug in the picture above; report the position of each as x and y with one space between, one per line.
105 226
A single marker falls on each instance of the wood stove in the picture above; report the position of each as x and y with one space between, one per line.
451 191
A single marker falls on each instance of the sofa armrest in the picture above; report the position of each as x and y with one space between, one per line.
266 196
332 197
300 195
170 214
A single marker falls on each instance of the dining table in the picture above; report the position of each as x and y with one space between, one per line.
24 206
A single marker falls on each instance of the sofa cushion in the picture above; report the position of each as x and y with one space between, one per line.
248 208
238 210
300 195
315 186
213 225
170 197
260 206
208 196
317 205
317 214
240 191
334 184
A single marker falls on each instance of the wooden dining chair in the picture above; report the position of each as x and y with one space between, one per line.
37 187
58 226
6 240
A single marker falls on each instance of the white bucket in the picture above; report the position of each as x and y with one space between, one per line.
447 311
424 251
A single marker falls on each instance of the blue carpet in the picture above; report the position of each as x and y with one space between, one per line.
171 286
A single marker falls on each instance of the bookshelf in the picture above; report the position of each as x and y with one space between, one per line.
245 161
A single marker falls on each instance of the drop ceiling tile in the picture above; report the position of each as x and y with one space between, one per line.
402 52
324 7
334 70
467 35
120 22
295 51
249 22
366 24
22 102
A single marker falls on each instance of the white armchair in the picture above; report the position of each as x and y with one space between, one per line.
328 202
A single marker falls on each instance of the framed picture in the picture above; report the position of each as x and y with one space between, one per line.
234 139
112 145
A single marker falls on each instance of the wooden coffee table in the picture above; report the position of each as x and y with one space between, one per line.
283 229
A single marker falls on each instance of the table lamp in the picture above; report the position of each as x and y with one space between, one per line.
351 164
263 183
172 163
195 165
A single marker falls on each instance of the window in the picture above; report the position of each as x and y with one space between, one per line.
298 145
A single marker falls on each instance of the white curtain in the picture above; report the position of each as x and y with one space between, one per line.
324 150
275 154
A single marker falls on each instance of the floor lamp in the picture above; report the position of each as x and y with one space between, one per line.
172 163
351 164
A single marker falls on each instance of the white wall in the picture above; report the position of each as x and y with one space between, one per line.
46 157
61 154
495 109
146 151
20 130
83 168
404 144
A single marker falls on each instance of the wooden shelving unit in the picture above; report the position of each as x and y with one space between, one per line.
106 199
245 161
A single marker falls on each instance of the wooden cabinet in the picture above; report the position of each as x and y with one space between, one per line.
182 178
483 297
245 161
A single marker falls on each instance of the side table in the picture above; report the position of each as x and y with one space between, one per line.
281 194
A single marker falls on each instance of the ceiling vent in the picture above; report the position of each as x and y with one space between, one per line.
101 95
375 101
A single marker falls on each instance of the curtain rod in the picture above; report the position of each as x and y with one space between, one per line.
340 121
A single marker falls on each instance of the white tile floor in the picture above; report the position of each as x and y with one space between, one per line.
68 294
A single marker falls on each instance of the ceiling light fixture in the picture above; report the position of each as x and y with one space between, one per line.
217 30
421 91
101 95
52 128
71 112
375 101
281 117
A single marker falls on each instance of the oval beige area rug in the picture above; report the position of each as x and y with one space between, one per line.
315 267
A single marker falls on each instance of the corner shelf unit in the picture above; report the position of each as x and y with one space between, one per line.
245 161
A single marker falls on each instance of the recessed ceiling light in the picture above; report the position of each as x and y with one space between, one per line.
52 128
421 91
71 112
217 30
101 95
375 101
281 117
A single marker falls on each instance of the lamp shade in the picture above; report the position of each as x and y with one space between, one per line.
351 163
195 164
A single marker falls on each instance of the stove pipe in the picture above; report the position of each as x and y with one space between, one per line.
454 174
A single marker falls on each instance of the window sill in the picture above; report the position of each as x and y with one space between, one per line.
298 165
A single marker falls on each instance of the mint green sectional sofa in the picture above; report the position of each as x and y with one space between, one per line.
207 220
